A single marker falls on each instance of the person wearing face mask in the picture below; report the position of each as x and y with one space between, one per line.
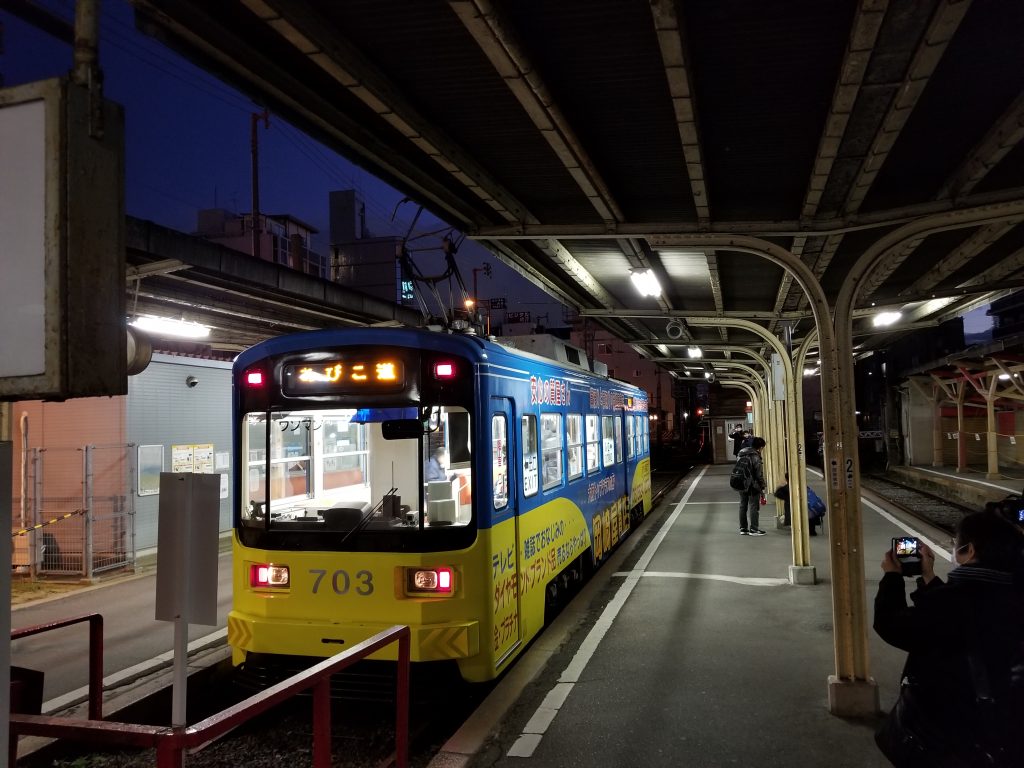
960 700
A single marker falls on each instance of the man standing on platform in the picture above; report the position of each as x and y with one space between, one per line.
737 436
750 497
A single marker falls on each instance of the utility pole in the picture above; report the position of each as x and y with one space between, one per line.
254 120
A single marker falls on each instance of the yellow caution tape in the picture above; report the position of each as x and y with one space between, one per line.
23 531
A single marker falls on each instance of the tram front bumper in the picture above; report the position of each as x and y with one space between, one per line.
429 642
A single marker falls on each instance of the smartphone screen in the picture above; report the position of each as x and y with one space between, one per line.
907 550
905 546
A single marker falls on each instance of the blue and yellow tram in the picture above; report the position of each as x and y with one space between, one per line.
446 482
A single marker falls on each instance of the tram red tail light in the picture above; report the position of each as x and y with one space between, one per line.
431 581
444 370
268 575
254 378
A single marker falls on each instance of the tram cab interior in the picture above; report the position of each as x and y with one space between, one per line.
344 470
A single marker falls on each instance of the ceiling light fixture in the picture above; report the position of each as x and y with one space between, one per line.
885 318
694 352
167 326
645 282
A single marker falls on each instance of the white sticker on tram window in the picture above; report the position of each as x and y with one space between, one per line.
834 472
1013 440
977 437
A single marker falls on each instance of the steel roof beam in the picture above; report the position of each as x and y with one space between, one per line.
1006 134
315 37
822 227
941 29
943 26
496 39
508 56
982 238
670 42
859 48
232 56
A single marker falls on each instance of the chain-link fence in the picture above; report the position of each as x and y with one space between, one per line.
77 511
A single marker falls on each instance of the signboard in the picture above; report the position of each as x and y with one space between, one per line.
62 245
496 303
778 377
182 459
517 317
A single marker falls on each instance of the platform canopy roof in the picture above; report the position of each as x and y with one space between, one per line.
578 139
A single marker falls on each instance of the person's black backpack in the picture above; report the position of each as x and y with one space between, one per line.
742 475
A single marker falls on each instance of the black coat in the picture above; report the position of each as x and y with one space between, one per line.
977 609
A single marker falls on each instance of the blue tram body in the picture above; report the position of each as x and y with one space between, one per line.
446 482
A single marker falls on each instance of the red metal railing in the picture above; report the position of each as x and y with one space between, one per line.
171 743
95 654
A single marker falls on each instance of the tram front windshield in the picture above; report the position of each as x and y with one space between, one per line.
353 470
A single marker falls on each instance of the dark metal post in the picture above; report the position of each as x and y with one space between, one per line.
322 723
254 120
402 702
96 667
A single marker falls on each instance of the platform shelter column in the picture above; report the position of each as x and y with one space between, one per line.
993 438
961 442
937 399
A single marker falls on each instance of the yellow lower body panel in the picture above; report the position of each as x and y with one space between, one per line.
432 642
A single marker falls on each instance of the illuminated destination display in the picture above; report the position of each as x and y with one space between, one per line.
343 376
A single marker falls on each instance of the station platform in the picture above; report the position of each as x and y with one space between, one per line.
971 487
691 648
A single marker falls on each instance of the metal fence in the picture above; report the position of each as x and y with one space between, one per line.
76 515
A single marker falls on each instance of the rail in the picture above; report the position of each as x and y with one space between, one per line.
95 654
171 743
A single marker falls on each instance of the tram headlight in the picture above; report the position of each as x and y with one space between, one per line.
430 581
268 575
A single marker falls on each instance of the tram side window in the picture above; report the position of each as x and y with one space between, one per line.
608 441
499 459
647 435
630 436
593 438
551 449
618 440
530 482
574 432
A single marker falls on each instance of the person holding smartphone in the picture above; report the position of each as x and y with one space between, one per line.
963 638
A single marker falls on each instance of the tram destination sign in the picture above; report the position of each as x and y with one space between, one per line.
344 376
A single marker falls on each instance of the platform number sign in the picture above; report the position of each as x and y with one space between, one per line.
849 473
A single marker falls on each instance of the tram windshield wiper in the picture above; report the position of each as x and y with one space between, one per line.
375 509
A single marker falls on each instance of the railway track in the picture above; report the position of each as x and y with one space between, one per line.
929 508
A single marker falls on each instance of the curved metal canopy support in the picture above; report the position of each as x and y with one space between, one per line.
789 463
851 690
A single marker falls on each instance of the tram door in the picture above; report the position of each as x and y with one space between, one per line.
505 531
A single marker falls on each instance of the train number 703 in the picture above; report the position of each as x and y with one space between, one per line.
341 582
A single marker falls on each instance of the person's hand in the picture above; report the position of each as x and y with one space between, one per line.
890 564
927 563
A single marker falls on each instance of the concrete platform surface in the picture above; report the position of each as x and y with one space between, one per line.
691 648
